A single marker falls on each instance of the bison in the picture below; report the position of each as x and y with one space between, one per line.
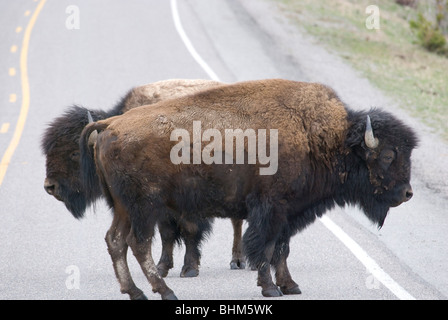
60 145
327 155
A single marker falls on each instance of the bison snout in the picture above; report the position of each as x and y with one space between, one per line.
50 186
408 194
402 194
405 193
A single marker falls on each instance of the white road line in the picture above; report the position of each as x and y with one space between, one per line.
366 260
351 244
188 43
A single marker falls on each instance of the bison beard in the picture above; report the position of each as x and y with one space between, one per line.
325 159
77 204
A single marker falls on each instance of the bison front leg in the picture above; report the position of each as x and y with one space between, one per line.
142 252
268 288
238 259
169 233
282 275
259 244
193 233
118 248
190 269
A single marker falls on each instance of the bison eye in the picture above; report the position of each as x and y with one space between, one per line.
387 156
75 156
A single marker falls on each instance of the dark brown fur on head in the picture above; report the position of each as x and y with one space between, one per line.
60 145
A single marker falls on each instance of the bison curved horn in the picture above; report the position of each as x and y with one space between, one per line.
369 138
93 136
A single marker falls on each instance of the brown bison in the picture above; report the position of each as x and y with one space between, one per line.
324 154
60 145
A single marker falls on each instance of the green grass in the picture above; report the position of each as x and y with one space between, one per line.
388 57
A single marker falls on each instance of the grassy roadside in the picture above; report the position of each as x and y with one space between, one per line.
388 57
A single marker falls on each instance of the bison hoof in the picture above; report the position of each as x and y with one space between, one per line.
293 290
162 271
237 264
169 296
189 272
164 268
271 292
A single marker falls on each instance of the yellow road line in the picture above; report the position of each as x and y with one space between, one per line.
4 127
25 94
12 97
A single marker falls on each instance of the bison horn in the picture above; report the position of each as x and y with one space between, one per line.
93 136
369 138
89 116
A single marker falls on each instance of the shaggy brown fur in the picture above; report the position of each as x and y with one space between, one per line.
164 90
299 110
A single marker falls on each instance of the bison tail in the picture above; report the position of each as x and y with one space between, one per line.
89 176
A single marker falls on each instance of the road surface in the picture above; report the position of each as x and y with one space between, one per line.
55 54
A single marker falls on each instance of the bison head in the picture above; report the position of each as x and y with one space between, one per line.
384 145
60 145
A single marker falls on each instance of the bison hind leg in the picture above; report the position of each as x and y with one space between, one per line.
238 260
142 252
118 248
143 217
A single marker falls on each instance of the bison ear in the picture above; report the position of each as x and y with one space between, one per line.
369 138
94 135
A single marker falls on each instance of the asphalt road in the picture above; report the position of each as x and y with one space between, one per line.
46 254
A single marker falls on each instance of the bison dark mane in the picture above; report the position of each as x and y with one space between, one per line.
61 138
69 124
